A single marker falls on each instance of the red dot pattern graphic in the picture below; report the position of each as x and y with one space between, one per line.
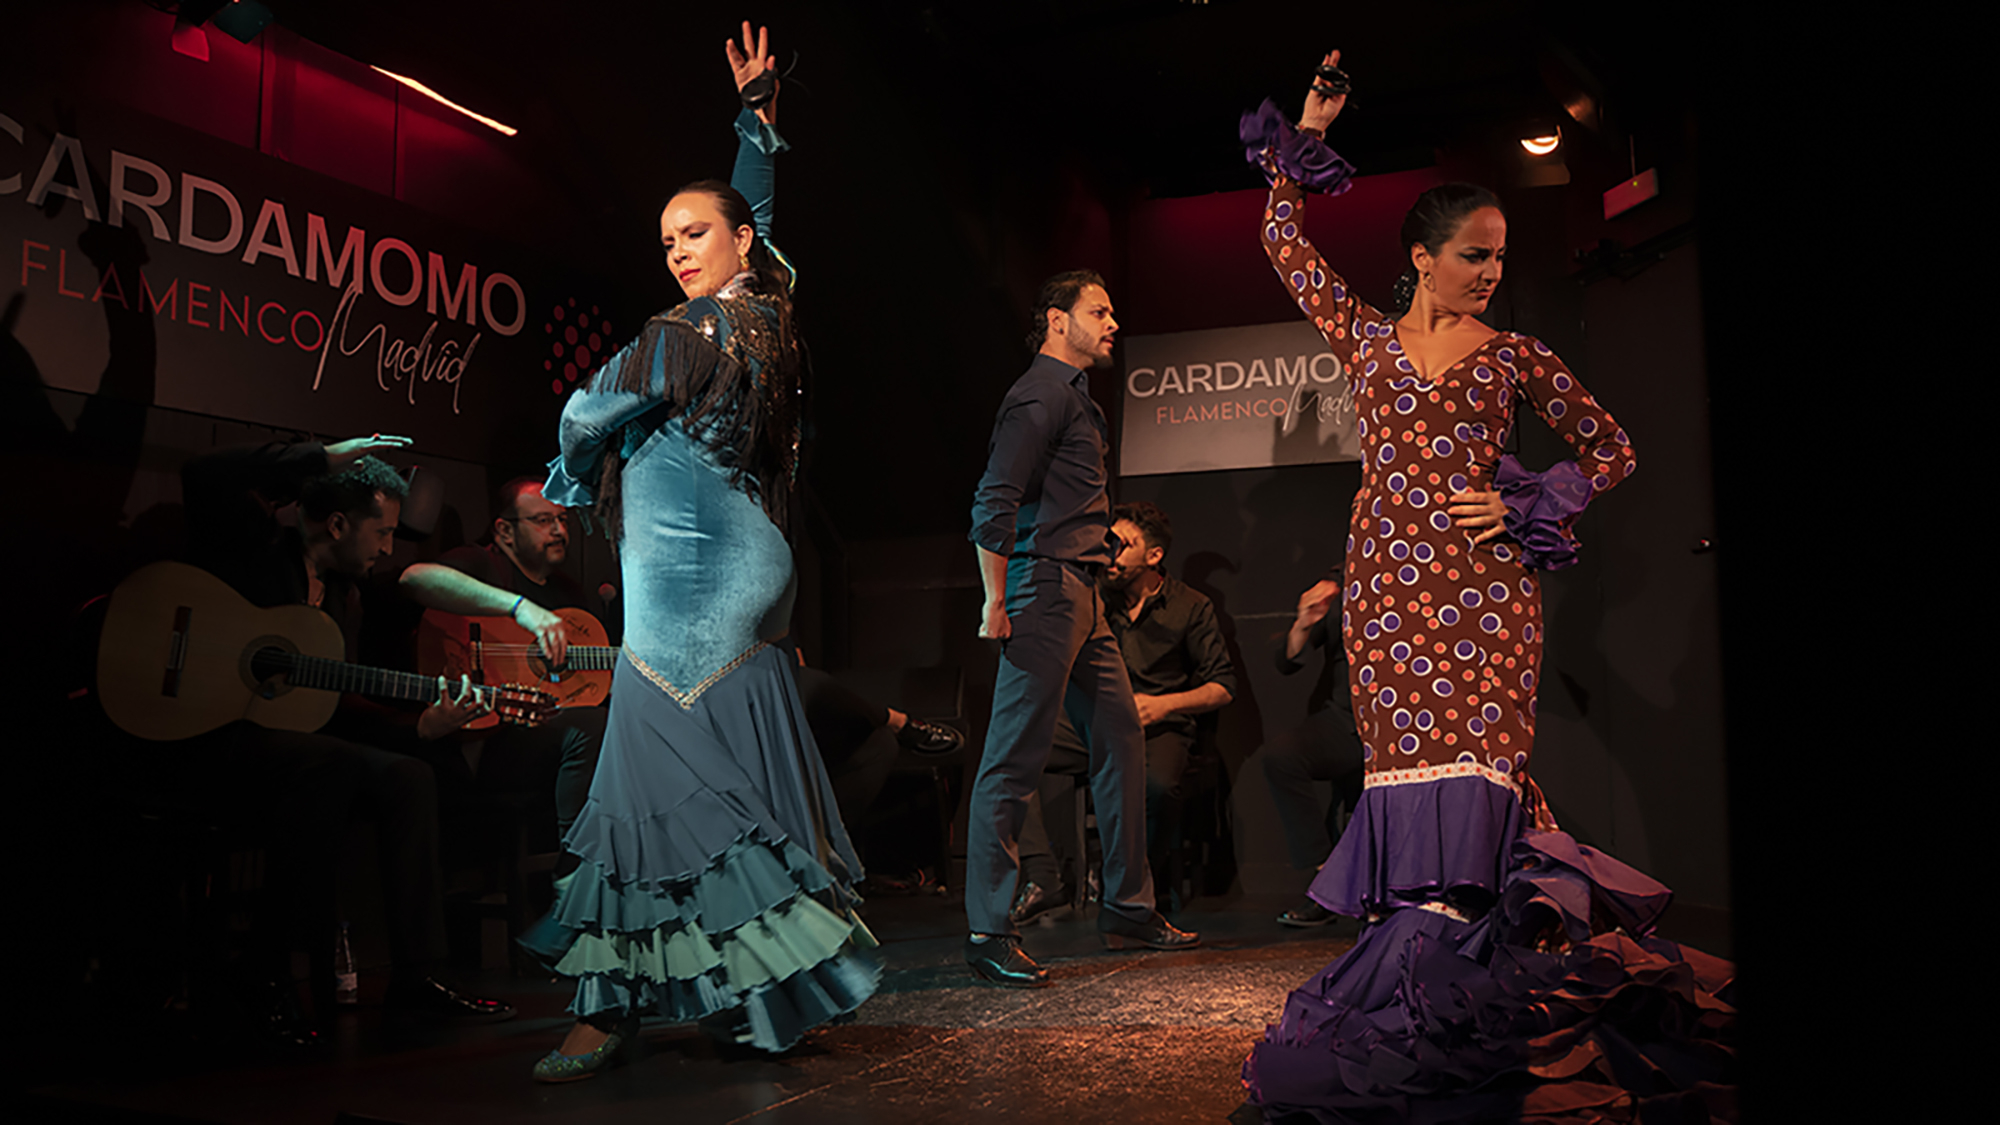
574 343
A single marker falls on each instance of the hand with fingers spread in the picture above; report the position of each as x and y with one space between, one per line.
341 454
1482 510
752 62
451 712
1321 108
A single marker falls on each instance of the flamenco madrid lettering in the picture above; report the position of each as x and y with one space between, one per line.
1289 380
352 264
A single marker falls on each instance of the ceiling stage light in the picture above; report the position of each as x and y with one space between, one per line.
1542 145
419 87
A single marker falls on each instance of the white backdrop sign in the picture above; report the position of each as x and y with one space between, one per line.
1234 398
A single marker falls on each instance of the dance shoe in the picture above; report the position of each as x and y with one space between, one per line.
928 739
558 1067
1309 913
1033 902
1154 933
427 997
1001 960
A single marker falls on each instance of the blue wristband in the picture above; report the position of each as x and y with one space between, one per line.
517 605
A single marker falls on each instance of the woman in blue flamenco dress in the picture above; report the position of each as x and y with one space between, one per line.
1504 971
713 878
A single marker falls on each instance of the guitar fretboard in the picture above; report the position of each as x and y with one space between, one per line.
577 658
334 675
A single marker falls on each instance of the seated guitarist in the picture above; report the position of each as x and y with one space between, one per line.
299 524
530 540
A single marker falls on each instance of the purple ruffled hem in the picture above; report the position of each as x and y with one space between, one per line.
1556 1005
1408 843
1540 509
1269 139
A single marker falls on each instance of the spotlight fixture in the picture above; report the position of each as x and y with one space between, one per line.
1542 144
244 20
420 88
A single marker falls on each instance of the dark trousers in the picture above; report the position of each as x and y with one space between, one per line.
1323 748
552 763
1060 658
1049 838
301 791
849 733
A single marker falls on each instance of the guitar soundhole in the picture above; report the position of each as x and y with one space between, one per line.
265 663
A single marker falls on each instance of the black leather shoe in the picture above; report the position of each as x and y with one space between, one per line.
1001 960
1308 913
1033 902
1155 933
428 997
928 739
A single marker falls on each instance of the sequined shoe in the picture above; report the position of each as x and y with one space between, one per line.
558 1067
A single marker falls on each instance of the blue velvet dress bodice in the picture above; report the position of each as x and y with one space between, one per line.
706 574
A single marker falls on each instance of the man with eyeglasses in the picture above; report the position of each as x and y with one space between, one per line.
530 541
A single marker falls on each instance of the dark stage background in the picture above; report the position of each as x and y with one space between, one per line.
946 158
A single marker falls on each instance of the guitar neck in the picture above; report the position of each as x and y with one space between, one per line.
591 658
336 675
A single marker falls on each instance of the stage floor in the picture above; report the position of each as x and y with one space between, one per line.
1137 1037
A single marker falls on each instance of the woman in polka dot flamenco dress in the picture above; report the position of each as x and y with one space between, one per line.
1505 971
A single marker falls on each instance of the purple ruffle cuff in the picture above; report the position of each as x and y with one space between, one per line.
1540 509
1272 144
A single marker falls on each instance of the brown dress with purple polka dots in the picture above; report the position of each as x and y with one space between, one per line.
1443 637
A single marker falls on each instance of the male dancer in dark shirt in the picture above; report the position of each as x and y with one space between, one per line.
1041 521
306 787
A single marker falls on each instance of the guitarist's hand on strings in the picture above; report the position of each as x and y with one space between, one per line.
548 629
448 713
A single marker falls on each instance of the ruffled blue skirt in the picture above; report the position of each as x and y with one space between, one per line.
715 876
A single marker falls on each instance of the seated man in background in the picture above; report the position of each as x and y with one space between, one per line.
1174 652
302 524
844 725
528 544
1323 748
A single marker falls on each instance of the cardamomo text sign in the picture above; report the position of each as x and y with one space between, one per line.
1234 398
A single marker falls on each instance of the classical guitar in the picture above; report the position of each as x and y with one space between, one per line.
181 653
495 649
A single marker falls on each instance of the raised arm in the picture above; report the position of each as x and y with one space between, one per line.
1296 160
756 128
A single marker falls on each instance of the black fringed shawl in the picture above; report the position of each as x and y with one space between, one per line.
733 379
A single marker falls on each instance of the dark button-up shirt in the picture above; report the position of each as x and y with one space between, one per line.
1174 645
1043 492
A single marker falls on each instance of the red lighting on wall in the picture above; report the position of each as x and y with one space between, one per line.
419 87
